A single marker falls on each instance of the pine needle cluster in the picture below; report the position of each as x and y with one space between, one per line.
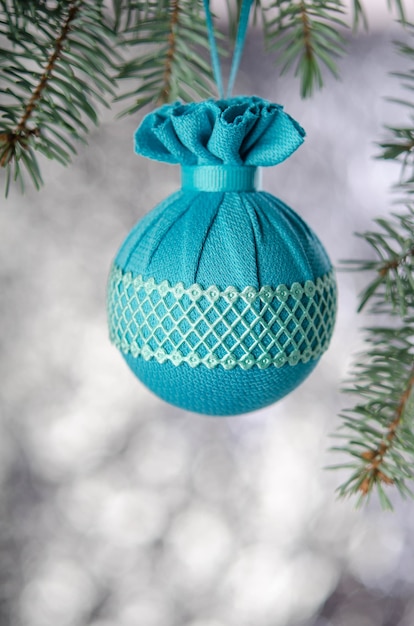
169 47
378 431
305 35
60 61
55 67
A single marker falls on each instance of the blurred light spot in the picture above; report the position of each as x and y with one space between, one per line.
207 622
266 585
313 577
132 517
200 542
160 456
145 613
212 473
257 587
375 549
61 594
287 484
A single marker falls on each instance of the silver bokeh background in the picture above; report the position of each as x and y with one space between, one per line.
117 509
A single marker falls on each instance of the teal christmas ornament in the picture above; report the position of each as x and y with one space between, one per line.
221 299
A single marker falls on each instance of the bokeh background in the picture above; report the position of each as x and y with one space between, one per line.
117 509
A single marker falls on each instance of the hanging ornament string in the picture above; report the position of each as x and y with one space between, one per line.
238 50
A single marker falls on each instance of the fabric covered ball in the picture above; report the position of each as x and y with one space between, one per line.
221 299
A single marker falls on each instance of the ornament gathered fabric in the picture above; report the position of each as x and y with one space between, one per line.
221 299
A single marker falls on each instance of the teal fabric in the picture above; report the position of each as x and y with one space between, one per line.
238 131
222 238
219 178
218 392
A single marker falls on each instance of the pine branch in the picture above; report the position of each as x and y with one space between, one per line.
360 15
53 74
305 33
379 429
400 145
21 132
171 54
398 7
376 458
393 281
174 66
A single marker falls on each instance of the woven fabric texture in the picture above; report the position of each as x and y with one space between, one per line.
266 327
238 239
218 392
237 131
221 238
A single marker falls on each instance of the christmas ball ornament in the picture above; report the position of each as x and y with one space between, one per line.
221 299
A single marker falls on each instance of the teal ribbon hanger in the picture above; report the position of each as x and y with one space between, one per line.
238 50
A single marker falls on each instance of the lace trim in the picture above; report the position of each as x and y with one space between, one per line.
270 326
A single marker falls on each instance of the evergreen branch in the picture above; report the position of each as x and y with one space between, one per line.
379 429
393 281
53 74
359 15
376 457
130 13
400 145
19 13
171 53
173 66
21 128
398 6
305 33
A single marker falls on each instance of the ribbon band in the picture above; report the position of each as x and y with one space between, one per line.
219 178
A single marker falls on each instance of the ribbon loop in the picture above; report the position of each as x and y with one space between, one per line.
238 50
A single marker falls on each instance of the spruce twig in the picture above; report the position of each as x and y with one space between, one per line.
376 458
305 33
172 49
393 281
55 66
170 55
11 141
378 431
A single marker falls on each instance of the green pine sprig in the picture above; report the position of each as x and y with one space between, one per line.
53 73
400 145
393 269
170 54
360 15
378 430
306 34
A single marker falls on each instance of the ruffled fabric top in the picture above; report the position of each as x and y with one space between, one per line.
237 131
